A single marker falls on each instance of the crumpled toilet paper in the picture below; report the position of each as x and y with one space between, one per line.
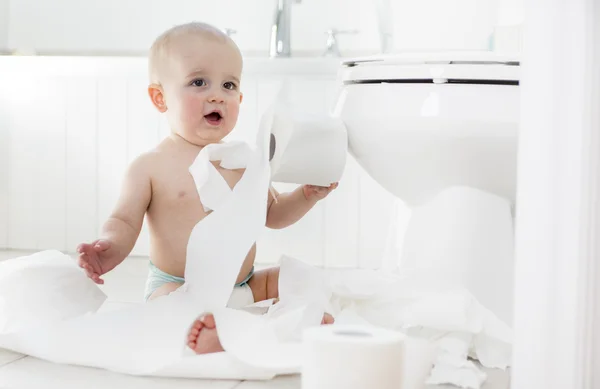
447 317
418 305
452 366
59 320
150 338
22 309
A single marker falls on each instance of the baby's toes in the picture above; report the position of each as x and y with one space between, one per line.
194 331
327 319
197 325
208 321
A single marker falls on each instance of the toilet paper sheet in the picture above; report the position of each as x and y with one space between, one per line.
232 220
149 339
57 316
448 318
423 308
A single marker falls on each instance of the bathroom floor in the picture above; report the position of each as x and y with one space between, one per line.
125 285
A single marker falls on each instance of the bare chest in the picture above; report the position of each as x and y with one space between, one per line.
174 188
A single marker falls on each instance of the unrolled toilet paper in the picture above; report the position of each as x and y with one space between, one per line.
352 357
49 308
305 148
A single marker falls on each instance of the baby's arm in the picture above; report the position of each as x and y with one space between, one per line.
121 230
287 208
125 223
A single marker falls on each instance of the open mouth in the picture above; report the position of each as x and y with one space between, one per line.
213 118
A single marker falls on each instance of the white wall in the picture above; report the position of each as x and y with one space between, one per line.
510 12
439 24
4 168
69 127
4 17
131 25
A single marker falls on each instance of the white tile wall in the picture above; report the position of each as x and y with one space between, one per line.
68 130
72 25
132 25
4 26
4 171
81 145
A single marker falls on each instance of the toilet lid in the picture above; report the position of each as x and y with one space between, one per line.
439 68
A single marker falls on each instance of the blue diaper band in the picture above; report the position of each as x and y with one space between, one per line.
157 278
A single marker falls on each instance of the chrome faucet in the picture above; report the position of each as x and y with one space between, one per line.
280 30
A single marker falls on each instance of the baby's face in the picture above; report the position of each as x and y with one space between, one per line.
202 89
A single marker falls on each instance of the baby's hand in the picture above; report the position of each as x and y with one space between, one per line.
94 259
313 192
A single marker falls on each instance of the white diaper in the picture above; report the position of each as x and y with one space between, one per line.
241 297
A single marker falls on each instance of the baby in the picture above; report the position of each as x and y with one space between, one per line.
195 72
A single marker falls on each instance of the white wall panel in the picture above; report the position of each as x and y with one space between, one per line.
81 157
93 120
48 113
24 151
5 118
112 144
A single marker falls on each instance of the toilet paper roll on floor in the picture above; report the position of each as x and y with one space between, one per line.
352 357
306 149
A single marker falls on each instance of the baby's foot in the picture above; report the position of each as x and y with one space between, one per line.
327 319
203 338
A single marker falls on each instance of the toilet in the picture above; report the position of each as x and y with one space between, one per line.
439 131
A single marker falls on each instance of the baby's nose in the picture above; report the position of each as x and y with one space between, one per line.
216 97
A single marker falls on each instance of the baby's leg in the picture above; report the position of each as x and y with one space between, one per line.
203 337
265 286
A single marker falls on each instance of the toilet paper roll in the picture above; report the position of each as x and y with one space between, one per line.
306 149
352 357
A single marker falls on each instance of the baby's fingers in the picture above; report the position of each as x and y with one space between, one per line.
96 278
84 264
102 245
83 248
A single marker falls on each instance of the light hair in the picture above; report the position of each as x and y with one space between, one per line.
160 48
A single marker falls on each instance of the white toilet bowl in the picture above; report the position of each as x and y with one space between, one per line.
424 124
421 123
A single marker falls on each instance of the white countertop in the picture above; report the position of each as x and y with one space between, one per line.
74 66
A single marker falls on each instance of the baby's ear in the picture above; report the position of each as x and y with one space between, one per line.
158 98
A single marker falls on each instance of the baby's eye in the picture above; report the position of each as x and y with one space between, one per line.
230 85
199 82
